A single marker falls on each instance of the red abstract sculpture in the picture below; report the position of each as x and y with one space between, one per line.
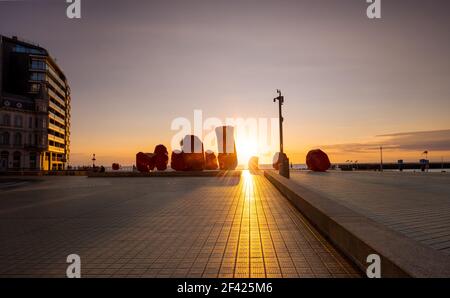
193 153
177 160
253 163
227 148
161 157
145 162
115 166
210 160
317 161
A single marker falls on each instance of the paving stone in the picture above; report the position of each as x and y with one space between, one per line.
161 227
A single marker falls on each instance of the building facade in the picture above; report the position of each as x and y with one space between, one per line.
34 109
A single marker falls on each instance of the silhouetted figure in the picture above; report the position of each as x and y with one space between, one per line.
102 169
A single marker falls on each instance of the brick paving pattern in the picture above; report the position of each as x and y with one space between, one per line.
414 204
160 227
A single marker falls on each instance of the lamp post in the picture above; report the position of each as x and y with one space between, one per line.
284 161
381 158
93 161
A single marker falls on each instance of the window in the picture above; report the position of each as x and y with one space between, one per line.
26 50
38 65
33 160
4 138
18 139
34 88
18 121
6 120
16 159
37 76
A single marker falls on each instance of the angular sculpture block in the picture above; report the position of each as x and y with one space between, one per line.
317 161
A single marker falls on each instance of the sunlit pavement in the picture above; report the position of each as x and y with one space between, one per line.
416 205
160 227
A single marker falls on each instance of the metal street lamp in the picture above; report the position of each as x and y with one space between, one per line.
381 158
284 161
93 160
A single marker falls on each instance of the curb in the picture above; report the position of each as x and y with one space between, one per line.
358 236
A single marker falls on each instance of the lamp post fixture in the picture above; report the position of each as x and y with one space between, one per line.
284 161
93 161
381 158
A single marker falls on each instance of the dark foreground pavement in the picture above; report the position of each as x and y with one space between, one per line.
159 227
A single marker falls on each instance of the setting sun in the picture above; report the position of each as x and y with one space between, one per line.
246 148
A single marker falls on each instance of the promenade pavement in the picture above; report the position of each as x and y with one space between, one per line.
414 204
159 227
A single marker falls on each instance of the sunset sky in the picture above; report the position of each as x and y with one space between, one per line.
351 84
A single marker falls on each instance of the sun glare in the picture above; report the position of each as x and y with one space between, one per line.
246 148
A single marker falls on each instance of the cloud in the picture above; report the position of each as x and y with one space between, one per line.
436 140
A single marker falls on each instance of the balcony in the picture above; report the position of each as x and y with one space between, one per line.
62 94
56 139
55 75
56 128
56 97
55 107
56 149
56 118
